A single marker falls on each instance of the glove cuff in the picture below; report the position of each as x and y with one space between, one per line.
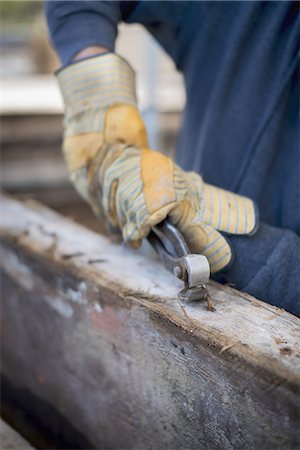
229 212
92 85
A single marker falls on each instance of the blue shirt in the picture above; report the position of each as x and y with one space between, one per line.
240 62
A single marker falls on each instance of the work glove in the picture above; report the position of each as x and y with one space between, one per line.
129 185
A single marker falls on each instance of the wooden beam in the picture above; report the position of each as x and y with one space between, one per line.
11 440
95 330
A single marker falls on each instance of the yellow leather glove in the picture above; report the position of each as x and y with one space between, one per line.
131 186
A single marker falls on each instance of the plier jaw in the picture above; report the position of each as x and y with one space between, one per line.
192 269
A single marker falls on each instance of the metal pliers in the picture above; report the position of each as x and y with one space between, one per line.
193 269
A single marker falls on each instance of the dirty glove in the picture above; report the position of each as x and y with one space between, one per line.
131 186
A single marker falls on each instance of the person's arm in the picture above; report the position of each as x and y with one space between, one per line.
267 265
105 144
108 138
77 25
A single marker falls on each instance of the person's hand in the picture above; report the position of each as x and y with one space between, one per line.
132 187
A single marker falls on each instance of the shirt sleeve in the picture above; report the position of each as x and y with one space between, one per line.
74 25
266 266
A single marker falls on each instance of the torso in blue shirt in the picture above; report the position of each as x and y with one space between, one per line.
240 127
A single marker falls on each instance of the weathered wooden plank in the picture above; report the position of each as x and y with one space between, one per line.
98 334
11 440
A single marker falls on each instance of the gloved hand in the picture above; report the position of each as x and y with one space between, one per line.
131 186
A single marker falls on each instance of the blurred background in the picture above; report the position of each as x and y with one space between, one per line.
32 111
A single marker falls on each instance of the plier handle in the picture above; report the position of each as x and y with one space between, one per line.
192 269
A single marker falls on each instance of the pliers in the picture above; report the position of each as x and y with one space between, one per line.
193 269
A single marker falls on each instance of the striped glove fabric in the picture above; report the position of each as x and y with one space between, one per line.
132 187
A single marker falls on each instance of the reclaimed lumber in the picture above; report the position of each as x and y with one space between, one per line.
93 332
11 440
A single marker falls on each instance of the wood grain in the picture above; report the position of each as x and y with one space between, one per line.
11 440
96 331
